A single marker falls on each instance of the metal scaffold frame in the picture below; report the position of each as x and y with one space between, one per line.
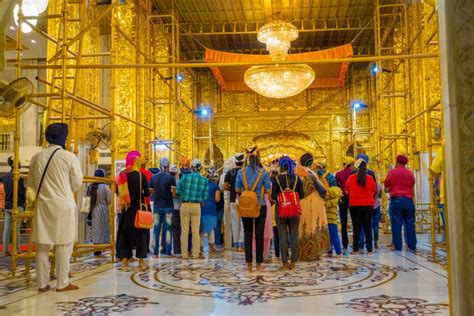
390 95
58 92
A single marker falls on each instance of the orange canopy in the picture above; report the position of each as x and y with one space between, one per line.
327 75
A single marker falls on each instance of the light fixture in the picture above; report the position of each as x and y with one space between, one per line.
358 105
162 145
374 69
39 5
12 28
277 36
278 81
27 11
203 112
33 41
180 78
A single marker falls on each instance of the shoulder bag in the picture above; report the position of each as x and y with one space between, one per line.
143 218
32 197
288 200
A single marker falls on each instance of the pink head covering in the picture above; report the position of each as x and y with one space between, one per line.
132 163
130 159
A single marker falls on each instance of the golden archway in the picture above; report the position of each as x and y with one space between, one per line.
293 144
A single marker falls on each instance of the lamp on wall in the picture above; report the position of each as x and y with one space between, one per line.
203 112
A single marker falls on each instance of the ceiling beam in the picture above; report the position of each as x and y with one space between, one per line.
252 27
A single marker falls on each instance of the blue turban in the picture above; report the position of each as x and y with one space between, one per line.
154 170
287 163
56 134
363 157
99 173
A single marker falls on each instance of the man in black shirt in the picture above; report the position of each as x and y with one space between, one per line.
8 185
229 185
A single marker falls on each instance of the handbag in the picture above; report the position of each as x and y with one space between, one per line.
143 218
31 196
289 204
86 205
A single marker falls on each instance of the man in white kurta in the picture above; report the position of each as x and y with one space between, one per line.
55 214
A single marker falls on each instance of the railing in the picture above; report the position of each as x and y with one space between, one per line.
5 143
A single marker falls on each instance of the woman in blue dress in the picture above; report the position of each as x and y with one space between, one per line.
209 211
101 197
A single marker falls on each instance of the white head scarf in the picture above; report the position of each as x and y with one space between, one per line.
229 164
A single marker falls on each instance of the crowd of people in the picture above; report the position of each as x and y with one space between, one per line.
285 206
291 206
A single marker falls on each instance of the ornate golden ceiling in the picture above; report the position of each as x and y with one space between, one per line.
232 25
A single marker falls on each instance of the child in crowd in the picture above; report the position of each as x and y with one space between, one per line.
209 211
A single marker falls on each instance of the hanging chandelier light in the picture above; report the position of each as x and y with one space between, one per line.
39 5
27 11
278 81
30 8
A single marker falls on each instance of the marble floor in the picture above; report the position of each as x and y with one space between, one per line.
387 283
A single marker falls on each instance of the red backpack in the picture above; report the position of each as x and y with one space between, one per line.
288 201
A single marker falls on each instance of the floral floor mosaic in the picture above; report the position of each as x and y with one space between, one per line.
387 283
231 282
10 285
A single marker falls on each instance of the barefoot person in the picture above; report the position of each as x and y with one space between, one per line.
361 188
55 174
254 178
131 197
314 237
400 183
192 188
288 182
209 211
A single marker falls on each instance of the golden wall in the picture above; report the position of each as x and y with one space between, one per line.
81 82
315 120
407 88
141 95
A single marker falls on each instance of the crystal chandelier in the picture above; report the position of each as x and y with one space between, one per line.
30 8
278 81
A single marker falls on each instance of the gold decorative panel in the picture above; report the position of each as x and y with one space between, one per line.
81 82
126 79
186 116
293 144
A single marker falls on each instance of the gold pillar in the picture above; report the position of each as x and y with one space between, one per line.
456 54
